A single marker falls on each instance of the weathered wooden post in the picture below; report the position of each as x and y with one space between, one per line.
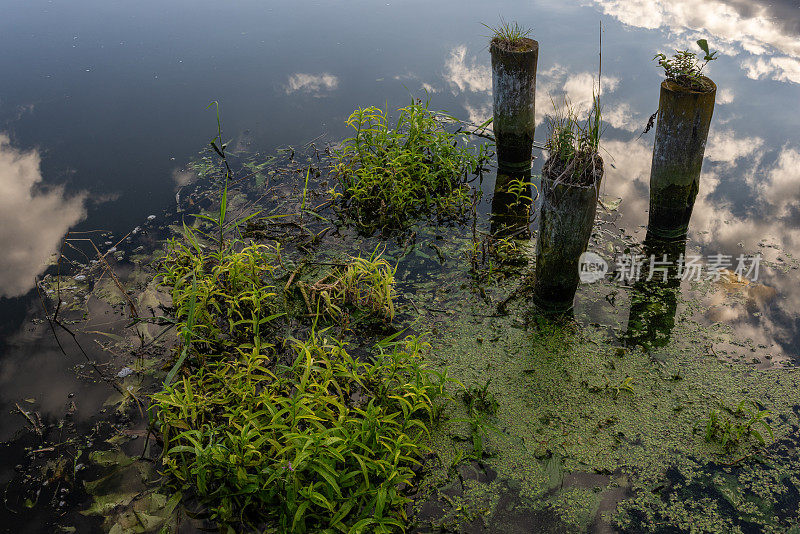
511 206
569 205
514 93
684 117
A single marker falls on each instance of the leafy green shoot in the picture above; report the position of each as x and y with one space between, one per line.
684 68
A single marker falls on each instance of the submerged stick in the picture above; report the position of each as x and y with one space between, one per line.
30 419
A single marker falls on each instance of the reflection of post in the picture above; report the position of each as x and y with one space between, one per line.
514 95
565 226
684 116
654 302
511 206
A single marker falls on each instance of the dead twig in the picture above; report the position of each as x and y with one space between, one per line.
102 258
27 416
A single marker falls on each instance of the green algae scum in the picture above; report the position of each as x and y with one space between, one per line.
349 338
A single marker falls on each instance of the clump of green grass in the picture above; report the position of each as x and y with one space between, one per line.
573 145
276 434
729 433
323 443
365 284
685 69
221 300
300 439
509 34
368 283
391 174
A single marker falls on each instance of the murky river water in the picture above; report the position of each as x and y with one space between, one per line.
103 104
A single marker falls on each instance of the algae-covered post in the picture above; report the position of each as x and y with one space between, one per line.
514 58
565 225
570 185
685 107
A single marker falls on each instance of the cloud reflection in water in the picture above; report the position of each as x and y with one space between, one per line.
717 227
765 34
33 218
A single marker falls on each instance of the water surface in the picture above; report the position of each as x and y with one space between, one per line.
102 104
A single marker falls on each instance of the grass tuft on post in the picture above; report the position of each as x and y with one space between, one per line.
573 145
510 34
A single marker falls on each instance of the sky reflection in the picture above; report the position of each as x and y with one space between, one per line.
33 218
316 84
115 94
763 36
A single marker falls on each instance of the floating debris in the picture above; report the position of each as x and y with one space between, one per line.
124 372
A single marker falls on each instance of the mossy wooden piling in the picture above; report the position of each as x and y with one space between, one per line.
684 118
514 99
565 226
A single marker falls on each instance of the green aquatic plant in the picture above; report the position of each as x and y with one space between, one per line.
625 385
521 190
186 332
366 285
730 432
481 406
390 174
310 441
220 300
506 250
220 220
223 300
480 399
684 68
573 145
297 436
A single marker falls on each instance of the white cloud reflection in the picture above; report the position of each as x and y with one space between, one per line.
315 84
579 88
780 190
725 96
717 227
466 74
32 219
782 69
735 27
